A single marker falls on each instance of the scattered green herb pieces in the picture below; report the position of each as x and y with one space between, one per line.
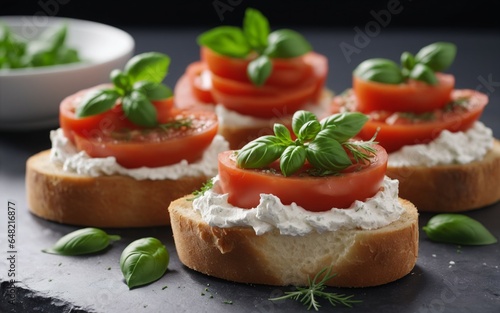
164 287
82 241
47 50
309 295
255 36
206 186
137 85
322 143
144 261
458 229
430 59
228 302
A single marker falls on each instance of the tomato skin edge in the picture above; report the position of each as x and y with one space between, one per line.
314 194
394 137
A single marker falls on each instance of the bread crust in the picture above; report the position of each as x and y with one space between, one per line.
451 188
360 258
104 201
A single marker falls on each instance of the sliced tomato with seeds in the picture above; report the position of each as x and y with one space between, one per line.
244 186
95 125
412 96
181 134
158 146
399 129
293 83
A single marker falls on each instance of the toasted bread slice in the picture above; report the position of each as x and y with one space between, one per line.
451 188
103 201
360 258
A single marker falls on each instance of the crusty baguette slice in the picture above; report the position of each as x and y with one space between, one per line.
104 201
451 188
360 258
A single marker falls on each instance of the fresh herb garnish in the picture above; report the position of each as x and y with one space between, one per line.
255 37
144 261
206 186
430 59
322 143
177 124
309 295
458 229
48 49
82 241
137 85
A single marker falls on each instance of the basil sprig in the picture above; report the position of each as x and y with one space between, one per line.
322 143
48 49
82 241
144 261
458 229
137 85
255 36
422 66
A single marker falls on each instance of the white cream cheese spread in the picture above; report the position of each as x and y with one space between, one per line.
63 152
380 210
230 118
448 148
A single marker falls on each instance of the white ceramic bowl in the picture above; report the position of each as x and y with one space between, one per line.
30 97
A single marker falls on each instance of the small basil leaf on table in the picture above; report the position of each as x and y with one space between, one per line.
458 229
82 241
143 261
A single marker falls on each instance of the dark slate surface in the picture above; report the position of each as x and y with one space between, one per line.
447 278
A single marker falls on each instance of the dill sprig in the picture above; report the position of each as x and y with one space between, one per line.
309 296
200 192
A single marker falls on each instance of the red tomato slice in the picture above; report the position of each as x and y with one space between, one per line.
244 186
155 147
286 72
109 121
414 96
293 83
402 131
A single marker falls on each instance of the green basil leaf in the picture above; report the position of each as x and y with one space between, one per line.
407 60
54 36
82 241
66 55
258 70
153 91
326 153
301 117
423 73
144 261
139 109
344 126
437 56
121 81
379 70
226 40
309 130
256 29
97 101
458 229
292 159
286 43
282 133
260 152
149 66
